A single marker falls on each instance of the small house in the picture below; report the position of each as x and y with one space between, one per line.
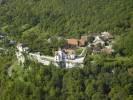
106 35
85 38
108 49
82 42
77 42
72 42
12 42
98 41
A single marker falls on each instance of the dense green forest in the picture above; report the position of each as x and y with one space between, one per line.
39 19
34 21
66 16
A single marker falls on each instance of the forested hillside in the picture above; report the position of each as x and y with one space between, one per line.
67 16
25 20
104 77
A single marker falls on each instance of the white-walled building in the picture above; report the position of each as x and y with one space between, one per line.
19 53
98 40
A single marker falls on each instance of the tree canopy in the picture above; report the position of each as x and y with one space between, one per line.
34 22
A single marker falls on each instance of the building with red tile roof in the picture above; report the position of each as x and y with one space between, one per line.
73 42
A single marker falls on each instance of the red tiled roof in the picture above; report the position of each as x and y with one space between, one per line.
72 42
77 42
